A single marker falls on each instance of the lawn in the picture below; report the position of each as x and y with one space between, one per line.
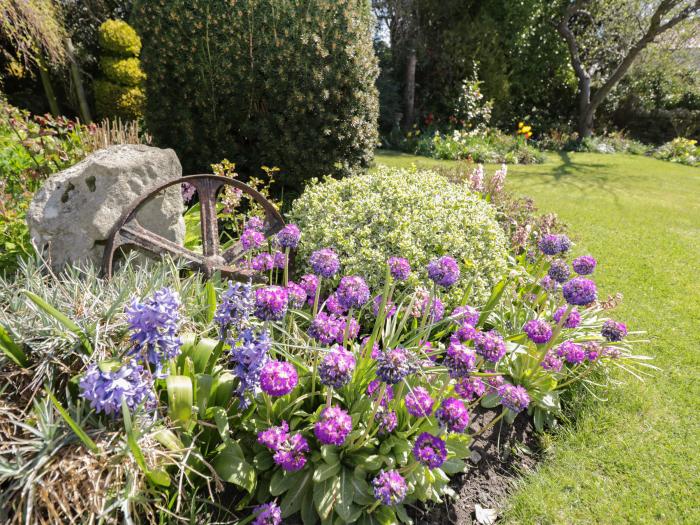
635 458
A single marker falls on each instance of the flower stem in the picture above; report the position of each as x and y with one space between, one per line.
318 296
286 266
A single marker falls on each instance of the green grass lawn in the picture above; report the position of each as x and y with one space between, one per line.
635 458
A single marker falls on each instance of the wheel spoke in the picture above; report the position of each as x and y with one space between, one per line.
206 189
133 233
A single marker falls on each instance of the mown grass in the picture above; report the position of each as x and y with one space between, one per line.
636 458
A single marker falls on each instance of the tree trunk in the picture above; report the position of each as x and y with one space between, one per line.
78 82
48 88
586 112
409 90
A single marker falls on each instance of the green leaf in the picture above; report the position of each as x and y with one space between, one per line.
263 461
210 292
87 441
453 466
299 492
326 495
458 444
308 511
491 401
204 384
12 349
61 318
347 495
403 515
157 477
496 294
201 354
329 454
362 491
373 462
221 420
539 419
230 464
384 515
222 389
168 439
282 481
325 471
179 398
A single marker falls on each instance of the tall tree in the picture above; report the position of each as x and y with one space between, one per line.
605 37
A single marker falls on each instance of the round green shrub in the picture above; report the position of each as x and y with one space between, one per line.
395 212
281 83
118 38
118 101
125 71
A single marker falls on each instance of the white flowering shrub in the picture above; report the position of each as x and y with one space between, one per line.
396 212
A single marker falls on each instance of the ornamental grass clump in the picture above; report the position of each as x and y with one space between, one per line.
234 402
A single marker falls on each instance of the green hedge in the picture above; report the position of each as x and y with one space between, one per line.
288 83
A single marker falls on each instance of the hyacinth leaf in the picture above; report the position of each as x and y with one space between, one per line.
325 471
168 439
292 501
87 440
221 420
308 513
180 397
61 318
496 294
222 389
202 352
204 383
231 466
12 349
157 477
210 293
326 495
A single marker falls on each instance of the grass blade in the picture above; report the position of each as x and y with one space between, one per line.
12 349
89 443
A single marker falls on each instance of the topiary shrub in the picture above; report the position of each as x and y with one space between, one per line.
277 82
413 214
120 93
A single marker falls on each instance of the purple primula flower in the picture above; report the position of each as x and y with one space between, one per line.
267 514
326 329
235 309
593 350
375 346
538 331
274 437
105 390
584 265
248 355
572 352
430 450
296 295
154 324
559 270
389 487
399 268
459 360
324 262
549 244
262 262
573 319
466 315
254 223
390 307
309 283
291 454
333 306
374 388
188 192
465 333
386 421
418 402
514 397
333 427
271 303
551 362
580 291
452 415
394 364
278 378
613 331
443 271
490 345
470 388
279 260
353 330
337 367
549 284
437 309
289 236
493 382
251 239
352 292
564 243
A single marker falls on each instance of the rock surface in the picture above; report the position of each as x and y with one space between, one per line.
73 213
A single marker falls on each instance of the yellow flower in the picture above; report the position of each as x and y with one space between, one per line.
520 124
526 129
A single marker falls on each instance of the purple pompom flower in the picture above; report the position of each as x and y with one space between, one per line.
333 306
274 437
309 283
437 309
291 454
490 345
271 303
251 239
394 364
386 421
296 294
573 319
452 415
254 223
353 330
549 244
443 271
105 390
613 331
352 292
279 260
389 487
572 352
459 360
333 427
580 291
493 382
288 237
337 367
326 329
278 378
549 284
236 307
470 388
465 333
374 388
188 192
551 362
538 331
390 307
248 355
584 265
430 450
399 268
593 350
262 262
559 270
267 514
466 315
324 262
514 397
418 402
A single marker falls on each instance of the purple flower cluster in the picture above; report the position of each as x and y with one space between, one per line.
494 382
548 283
106 389
470 388
324 262
263 262
273 437
394 364
352 292
271 303
584 265
254 223
279 260
513 397
580 291
467 315
613 331
332 305
559 270
490 345
333 427
188 192
572 320
288 237
572 352
538 331
289 449
464 333
248 355
251 239
337 367
452 415
154 324
443 271
437 309
430 450
552 363
278 378
593 350
459 360
373 388
390 307
389 487
329 328
418 402
236 306
399 268
386 421
296 295
309 283
267 514
553 244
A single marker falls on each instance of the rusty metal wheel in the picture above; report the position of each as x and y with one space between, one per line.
127 231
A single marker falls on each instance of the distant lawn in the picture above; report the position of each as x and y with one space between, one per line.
636 458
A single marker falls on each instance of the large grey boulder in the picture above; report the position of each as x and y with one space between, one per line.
73 213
